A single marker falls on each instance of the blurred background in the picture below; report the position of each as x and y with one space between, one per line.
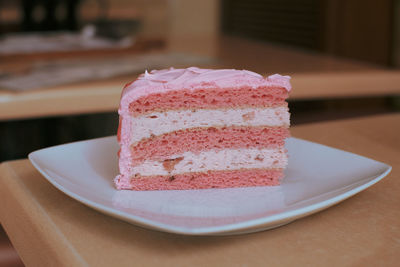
363 30
63 63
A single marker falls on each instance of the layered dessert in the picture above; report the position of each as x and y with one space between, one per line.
201 128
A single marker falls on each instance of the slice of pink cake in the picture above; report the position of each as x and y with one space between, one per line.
201 128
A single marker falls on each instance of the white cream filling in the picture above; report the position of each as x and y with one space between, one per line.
158 123
227 159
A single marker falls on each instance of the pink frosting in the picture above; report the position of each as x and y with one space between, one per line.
160 81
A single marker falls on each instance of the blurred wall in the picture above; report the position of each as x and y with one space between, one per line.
358 29
161 17
396 34
194 18
178 21
194 25
152 13
361 30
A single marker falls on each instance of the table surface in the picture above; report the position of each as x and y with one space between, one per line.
50 229
314 76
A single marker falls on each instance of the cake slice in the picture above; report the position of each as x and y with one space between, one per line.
201 128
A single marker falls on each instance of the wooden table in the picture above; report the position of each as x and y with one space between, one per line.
50 229
314 76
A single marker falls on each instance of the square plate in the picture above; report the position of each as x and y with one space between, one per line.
317 177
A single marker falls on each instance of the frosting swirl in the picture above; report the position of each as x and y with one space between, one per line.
191 76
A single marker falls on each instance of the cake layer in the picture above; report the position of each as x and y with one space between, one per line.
152 89
209 99
210 179
226 159
158 123
198 139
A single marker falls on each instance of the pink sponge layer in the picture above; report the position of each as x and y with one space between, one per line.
202 98
210 179
199 139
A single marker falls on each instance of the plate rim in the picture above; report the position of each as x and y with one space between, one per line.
262 223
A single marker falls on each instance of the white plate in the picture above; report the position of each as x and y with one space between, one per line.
317 177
